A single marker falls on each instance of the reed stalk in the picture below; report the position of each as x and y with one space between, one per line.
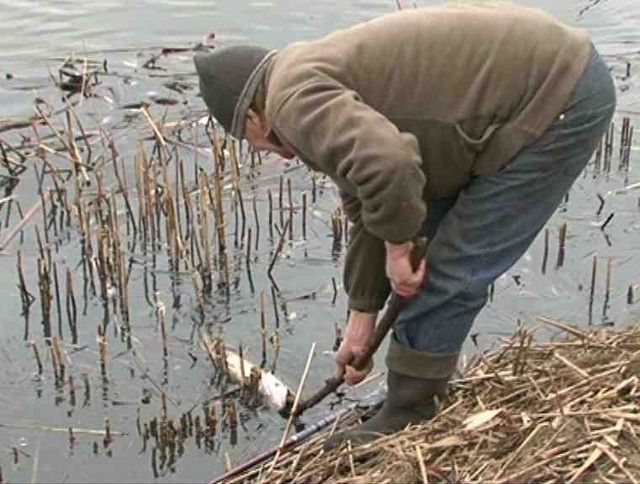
72 391
270 215
25 296
122 184
263 331
256 220
561 245
102 352
290 199
280 199
206 271
72 310
44 284
304 215
275 308
278 250
59 358
87 389
36 355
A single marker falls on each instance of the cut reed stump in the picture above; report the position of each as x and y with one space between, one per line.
567 410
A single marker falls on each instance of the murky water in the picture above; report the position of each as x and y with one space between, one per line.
35 415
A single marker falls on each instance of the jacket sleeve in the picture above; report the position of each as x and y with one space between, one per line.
347 139
364 277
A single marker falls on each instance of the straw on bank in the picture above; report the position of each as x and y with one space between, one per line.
563 411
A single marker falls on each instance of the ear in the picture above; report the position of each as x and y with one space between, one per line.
252 116
258 120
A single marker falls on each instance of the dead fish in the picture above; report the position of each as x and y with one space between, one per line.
277 394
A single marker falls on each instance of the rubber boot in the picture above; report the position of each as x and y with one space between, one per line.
411 395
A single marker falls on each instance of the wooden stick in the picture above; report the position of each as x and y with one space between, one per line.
396 303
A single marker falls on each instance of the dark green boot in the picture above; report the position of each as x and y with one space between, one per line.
412 390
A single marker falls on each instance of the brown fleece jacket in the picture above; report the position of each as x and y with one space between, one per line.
410 106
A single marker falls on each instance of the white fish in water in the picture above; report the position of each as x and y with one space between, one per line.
277 393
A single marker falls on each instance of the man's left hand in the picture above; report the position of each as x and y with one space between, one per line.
404 280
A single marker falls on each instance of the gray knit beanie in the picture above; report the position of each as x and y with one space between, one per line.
229 78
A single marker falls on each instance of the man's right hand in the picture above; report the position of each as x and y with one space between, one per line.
356 342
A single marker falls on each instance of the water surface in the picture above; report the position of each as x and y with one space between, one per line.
34 415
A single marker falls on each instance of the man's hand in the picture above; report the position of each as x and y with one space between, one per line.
404 281
357 340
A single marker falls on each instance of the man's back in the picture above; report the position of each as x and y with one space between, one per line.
483 78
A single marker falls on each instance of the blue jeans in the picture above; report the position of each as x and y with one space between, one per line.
484 231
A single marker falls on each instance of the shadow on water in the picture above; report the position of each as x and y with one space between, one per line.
132 229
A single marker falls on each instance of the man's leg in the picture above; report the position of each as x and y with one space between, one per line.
497 217
488 228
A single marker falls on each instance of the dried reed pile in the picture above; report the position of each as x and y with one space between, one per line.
563 411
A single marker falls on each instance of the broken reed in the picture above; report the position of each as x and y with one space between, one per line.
304 215
36 355
257 222
562 237
44 285
218 164
626 142
102 351
25 296
607 288
152 215
72 310
161 322
156 203
592 290
545 255
58 360
263 331
172 223
235 184
169 436
608 147
604 151
270 215
290 196
206 267
337 228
